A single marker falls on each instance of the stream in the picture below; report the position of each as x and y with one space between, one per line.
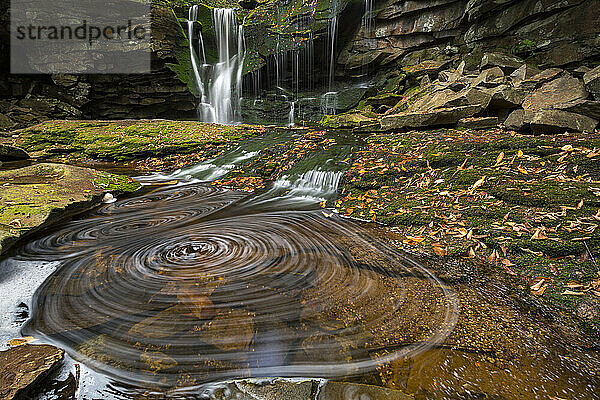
186 284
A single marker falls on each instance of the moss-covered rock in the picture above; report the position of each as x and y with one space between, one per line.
126 140
42 194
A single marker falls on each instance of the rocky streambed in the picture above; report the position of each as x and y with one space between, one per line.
193 279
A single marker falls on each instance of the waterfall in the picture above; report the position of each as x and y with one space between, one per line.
332 38
192 17
368 17
220 85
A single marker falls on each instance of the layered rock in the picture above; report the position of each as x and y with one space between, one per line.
547 33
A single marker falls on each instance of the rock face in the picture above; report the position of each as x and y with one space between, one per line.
24 367
548 33
38 195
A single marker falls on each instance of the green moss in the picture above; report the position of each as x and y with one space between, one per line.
126 140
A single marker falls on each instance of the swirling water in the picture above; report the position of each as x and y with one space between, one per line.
192 284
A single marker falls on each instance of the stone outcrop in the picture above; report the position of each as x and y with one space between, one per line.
25 367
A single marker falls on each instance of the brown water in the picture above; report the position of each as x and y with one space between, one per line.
191 284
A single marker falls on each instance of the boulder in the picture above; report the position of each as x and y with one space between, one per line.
490 77
560 90
10 153
24 367
591 79
524 72
6 123
589 108
478 123
437 117
541 78
516 121
558 121
506 62
507 97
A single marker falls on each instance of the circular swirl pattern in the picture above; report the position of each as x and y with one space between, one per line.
186 284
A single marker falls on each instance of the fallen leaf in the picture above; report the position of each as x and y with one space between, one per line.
572 293
440 251
21 341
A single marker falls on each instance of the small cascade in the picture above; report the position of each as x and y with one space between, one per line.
291 118
220 85
314 185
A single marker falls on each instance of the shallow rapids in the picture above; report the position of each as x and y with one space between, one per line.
189 284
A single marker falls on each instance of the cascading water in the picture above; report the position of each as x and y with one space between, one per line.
220 85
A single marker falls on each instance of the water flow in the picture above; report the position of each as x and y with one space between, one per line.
220 99
192 17
332 39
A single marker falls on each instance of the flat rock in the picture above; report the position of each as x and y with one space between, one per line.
558 121
22 368
11 153
437 117
507 62
478 123
560 90
42 194
591 79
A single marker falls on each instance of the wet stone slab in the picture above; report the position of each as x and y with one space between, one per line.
24 368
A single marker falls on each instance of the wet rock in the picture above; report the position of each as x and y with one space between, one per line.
155 361
229 331
560 90
478 123
591 79
24 367
437 117
171 321
326 348
11 153
558 121
516 121
40 195
506 62
345 391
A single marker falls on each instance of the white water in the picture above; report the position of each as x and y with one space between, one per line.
220 85
332 39
291 114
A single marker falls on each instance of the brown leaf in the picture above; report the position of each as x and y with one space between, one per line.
440 251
